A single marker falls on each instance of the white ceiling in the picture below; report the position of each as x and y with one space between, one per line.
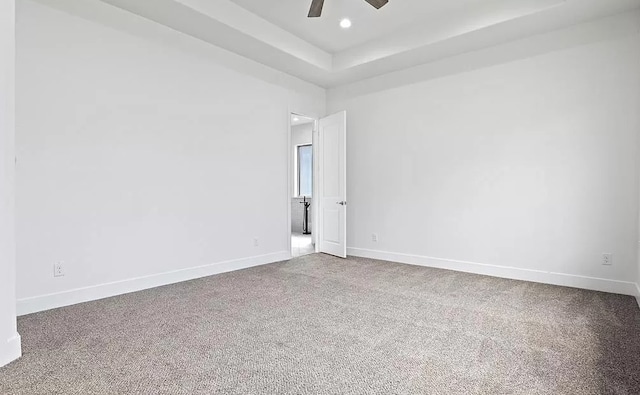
300 120
368 23
401 35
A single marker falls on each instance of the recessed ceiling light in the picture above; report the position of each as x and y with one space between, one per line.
345 23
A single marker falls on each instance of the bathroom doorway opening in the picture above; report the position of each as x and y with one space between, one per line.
302 185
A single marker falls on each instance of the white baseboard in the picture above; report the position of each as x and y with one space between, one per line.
100 291
538 276
11 350
638 294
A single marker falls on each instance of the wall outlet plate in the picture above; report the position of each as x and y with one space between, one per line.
58 269
607 259
374 237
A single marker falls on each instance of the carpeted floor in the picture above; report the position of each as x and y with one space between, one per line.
321 325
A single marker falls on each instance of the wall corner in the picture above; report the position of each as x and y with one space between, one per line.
11 350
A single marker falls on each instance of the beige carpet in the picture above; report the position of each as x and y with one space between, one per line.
321 325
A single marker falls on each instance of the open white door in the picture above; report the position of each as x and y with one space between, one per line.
332 185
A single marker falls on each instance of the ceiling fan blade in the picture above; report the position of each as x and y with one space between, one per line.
316 8
377 3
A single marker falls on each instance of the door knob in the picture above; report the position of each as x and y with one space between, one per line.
343 203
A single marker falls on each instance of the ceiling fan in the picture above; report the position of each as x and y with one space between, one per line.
316 6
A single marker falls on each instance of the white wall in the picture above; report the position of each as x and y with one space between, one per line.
9 338
523 168
302 134
142 151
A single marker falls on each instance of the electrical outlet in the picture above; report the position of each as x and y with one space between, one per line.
256 242
607 259
374 237
58 269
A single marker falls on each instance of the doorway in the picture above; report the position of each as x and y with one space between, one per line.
317 159
302 185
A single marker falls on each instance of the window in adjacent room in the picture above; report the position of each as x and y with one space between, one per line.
305 170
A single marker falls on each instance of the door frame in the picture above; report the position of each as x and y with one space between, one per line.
290 178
